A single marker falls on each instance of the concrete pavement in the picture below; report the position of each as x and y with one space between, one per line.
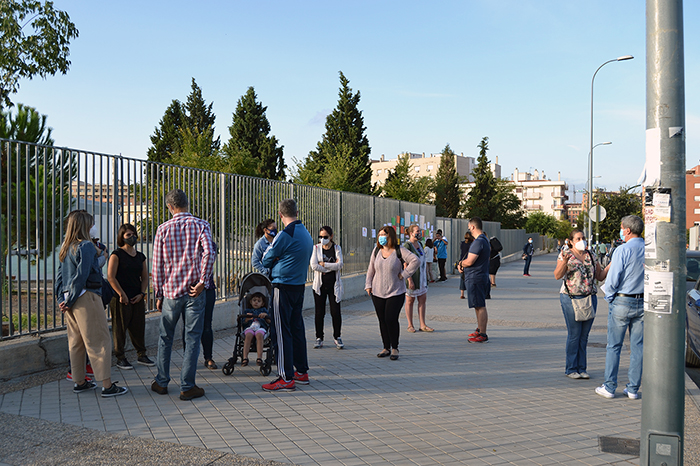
445 401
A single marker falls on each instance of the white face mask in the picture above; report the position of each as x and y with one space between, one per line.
94 233
581 245
325 241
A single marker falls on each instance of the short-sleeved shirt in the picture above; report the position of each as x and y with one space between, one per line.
480 268
129 271
580 276
441 248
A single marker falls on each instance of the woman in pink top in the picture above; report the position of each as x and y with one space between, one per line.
389 266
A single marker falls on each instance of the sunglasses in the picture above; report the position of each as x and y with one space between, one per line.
323 237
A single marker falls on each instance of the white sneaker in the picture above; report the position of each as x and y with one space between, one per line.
574 375
584 375
632 396
339 343
318 344
602 391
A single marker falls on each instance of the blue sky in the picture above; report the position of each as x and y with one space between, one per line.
430 73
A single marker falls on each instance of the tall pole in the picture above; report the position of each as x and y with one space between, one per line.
663 401
590 154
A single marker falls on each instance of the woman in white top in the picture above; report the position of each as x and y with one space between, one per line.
326 262
429 259
417 284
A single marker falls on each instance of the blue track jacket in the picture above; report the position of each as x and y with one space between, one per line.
288 255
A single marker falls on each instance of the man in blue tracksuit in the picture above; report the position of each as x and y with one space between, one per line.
288 258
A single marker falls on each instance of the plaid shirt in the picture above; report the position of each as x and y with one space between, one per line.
183 256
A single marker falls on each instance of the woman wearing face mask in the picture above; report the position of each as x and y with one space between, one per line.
127 273
326 262
417 284
389 266
266 231
579 269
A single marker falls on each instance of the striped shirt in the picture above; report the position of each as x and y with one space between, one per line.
183 256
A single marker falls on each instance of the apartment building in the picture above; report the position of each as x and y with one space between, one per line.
537 193
427 165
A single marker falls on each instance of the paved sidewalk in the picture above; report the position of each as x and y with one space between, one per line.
445 401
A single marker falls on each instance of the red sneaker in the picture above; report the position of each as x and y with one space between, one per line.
88 371
481 338
279 385
475 333
301 379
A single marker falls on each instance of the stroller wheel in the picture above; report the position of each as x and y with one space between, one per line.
265 370
227 369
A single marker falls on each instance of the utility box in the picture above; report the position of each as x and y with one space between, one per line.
664 450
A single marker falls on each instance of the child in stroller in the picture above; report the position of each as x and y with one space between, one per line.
255 326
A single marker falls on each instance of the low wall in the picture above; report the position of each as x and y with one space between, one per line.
30 354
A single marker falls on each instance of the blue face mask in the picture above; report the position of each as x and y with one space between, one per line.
272 233
622 234
382 240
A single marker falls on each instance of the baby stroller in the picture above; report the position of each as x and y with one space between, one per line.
250 284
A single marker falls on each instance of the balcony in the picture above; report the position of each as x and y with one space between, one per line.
533 207
532 196
557 207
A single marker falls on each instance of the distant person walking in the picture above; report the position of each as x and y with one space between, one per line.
288 260
430 259
265 232
183 259
624 290
417 284
389 266
495 259
327 262
579 270
127 273
441 246
78 290
463 253
528 251
476 275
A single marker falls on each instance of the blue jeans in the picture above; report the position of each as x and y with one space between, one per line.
625 313
192 312
577 335
526 270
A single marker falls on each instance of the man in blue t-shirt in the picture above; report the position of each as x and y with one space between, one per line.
288 260
441 245
476 277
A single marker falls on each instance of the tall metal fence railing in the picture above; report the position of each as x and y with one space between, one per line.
40 185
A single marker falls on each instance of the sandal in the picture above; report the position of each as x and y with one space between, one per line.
427 329
384 353
210 364
259 362
411 329
244 362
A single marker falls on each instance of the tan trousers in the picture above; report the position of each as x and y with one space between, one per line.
88 332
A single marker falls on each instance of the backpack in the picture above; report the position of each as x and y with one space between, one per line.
398 254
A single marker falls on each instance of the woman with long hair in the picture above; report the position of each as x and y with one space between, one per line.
78 290
417 284
579 269
326 262
389 266
266 232
127 273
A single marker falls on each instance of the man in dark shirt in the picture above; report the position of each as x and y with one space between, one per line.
476 275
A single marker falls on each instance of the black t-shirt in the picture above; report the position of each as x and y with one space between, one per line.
328 278
129 271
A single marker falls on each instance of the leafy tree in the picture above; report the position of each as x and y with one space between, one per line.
34 41
167 138
616 207
345 125
542 223
564 229
251 150
401 185
481 199
507 208
448 193
195 119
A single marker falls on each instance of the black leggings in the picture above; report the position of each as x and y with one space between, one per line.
320 302
388 310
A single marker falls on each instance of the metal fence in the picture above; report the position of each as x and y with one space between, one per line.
40 185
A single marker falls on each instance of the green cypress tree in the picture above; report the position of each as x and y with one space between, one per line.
481 199
448 194
167 137
199 117
251 143
344 126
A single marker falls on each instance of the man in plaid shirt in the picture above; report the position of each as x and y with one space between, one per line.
183 259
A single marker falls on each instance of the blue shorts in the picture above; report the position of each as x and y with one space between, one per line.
477 290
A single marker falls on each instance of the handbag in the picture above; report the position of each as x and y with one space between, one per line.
583 305
524 256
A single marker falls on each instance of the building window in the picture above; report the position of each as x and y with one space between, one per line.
696 211
697 185
430 167
697 198
416 168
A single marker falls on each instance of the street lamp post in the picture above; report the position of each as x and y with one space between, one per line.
590 199
590 155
